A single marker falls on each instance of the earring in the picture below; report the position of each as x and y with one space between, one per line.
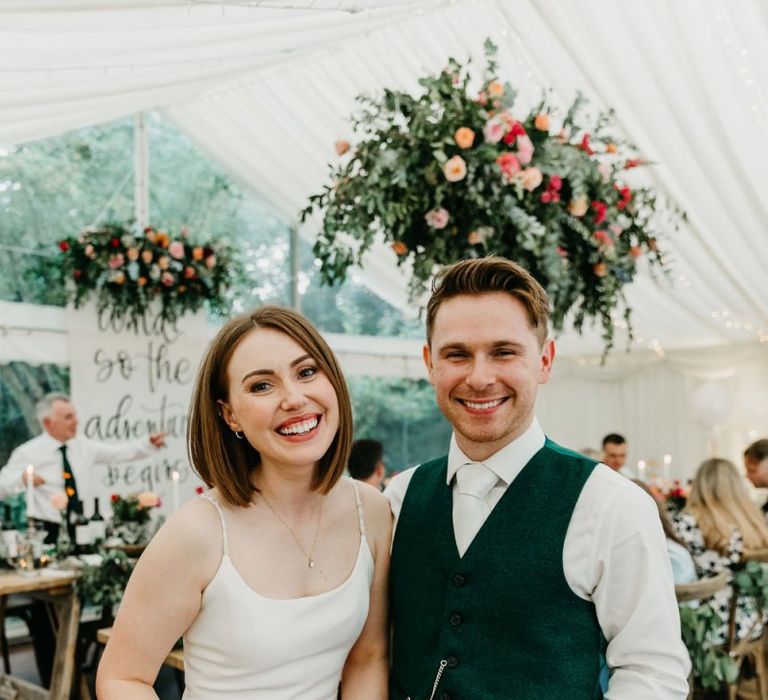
238 435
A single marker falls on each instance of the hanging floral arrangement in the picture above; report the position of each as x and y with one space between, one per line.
127 271
451 174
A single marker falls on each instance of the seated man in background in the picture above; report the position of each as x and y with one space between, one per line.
366 462
615 453
756 463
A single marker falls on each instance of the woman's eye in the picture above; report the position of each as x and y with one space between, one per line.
306 372
260 386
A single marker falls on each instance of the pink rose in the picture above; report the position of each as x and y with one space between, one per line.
531 178
508 164
148 499
210 262
116 261
163 262
604 238
167 279
616 230
494 130
437 218
455 169
524 150
605 171
176 250
59 500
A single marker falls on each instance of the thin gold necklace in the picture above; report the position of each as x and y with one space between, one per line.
308 554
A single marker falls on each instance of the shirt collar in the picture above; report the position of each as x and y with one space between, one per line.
508 462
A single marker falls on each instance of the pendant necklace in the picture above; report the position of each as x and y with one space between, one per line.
311 563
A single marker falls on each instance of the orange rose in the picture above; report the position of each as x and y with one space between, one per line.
600 269
400 248
541 122
142 281
163 262
464 137
146 256
189 273
162 239
578 206
197 253
611 148
636 251
148 499
495 89
341 147
119 278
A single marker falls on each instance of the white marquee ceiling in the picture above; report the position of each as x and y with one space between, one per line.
266 87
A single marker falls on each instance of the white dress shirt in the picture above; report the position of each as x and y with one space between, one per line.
615 556
42 452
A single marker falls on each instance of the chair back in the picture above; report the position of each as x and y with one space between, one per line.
702 589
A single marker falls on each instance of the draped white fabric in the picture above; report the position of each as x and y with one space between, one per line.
266 87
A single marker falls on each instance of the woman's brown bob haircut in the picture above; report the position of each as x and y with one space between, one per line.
486 276
219 457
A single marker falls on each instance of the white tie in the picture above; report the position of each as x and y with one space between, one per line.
474 482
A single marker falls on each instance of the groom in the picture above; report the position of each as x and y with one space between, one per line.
520 569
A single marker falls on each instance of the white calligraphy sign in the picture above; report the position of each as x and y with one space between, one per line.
129 380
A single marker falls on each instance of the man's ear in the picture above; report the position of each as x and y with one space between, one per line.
426 353
225 411
547 357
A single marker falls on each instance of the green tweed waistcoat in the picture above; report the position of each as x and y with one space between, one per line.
502 618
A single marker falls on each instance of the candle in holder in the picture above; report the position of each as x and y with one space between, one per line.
30 488
641 470
175 477
667 464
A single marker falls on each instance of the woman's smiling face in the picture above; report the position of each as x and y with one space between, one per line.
280 399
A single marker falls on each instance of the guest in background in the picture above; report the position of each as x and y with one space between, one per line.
683 567
64 462
615 453
718 523
366 462
756 464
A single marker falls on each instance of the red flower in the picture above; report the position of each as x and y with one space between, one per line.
77 274
115 498
199 490
562 252
626 197
63 246
633 163
604 237
601 209
546 197
585 145
115 242
555 182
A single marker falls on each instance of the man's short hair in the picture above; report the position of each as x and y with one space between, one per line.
364 458
757 451
486 276
43 406
614 439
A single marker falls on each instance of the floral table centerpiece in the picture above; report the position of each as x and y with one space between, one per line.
127 270
131 515
451 174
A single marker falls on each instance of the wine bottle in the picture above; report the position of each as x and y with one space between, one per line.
97 524
9 533
83 541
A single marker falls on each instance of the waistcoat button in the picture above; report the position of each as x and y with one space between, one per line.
459 580
452 662
455 620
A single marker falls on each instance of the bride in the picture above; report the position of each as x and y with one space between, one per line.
276 577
